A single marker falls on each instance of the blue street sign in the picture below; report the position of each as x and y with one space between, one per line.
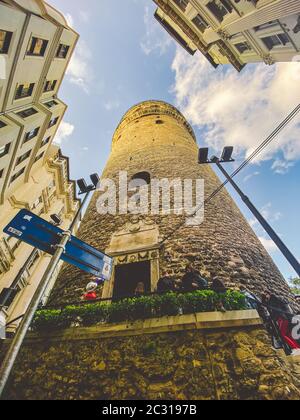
41 234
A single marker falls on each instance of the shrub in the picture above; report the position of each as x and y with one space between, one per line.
140 308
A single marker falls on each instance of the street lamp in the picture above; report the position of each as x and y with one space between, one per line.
225 158
15 346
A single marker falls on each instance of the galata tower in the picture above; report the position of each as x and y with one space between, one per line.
154 140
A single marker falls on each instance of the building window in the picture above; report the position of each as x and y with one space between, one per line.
45 141
27 113
37 47
243 47
62 51
267 25
182 4
275 40
51 104
220 8
200 23
31 134
50 85
23 157
143 176
17 175
24 91
5 40
39 157
1 173
53 122
2 124
4 150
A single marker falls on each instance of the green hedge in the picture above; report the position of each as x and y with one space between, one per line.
137 309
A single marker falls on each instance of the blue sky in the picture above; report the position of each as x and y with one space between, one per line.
124 57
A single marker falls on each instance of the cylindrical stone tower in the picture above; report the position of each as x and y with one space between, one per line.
154 140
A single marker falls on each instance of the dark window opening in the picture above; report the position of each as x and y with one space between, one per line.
159 122
27 113
31 134
50 85
127 278
5 40
4 150
243 47
53 122
200 23
37 47
2 124
24 91
62 51
276 40
220 8
144 176
182 4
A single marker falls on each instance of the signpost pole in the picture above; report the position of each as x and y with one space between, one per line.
17 342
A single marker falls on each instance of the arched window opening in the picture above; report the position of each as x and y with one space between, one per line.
144 176
159 122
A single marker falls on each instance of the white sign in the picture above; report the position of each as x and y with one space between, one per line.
2 326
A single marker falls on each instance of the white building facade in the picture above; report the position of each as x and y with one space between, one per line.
235 31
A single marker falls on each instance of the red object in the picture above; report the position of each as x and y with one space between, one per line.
90 296
286 334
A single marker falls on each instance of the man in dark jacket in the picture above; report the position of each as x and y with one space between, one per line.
192 280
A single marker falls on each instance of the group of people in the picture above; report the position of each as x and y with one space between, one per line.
278 318
190 282
275 312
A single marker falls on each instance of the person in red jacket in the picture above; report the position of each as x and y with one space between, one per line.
91 293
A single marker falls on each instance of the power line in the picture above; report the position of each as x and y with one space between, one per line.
253 155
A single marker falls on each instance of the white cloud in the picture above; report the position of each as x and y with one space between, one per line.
64 131
250 176
79 70
156 38
267 212
268 244
239 109
282 167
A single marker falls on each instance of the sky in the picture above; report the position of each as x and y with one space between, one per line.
125 57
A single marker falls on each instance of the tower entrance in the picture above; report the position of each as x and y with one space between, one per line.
128 276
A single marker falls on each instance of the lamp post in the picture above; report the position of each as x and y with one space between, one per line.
16 344
227 157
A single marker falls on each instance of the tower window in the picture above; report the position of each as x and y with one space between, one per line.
37 47
5 40
144 176
159 122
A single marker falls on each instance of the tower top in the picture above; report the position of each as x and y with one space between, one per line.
148 108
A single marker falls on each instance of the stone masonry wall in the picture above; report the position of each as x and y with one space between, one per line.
155 137
235 364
